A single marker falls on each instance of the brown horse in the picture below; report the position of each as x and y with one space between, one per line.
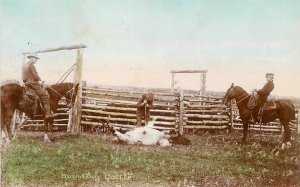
12 94
284 111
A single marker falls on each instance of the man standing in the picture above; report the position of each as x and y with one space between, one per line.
266 90
33 81
143 107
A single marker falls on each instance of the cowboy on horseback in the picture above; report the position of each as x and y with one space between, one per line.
259 97
32 81
266 90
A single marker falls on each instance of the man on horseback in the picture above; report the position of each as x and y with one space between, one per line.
258 98
266 90
32 80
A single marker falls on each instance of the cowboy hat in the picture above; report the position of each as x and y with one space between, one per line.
34 55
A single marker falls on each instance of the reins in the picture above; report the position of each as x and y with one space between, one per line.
60 95
243 99
242 96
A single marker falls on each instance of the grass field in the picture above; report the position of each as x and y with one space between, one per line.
94 160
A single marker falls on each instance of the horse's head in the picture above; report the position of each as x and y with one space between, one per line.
71 95
229 95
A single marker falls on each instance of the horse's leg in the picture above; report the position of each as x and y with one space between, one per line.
286 136
287 132
10 134
50 125
4 129
46 137
6 117
245 131
7 122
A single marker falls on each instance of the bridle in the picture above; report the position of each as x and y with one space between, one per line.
244 96
60 95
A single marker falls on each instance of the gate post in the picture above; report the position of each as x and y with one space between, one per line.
298 121
172 83
230 126
181 112
78 103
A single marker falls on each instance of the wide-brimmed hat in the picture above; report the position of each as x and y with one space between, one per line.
270 75
33 55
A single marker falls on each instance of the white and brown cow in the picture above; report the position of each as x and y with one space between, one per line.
147 135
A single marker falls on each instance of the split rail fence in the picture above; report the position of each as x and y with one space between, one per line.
118 108
61 120
191 113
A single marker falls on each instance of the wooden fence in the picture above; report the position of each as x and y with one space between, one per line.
202 112
61 120
118 108
102 106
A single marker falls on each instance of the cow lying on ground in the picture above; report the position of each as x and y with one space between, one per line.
147 135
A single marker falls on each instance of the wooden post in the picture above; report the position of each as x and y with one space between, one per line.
22 120
181 112
80 46
14 121
298 121
230 126
203 86
69 126
200 91
78 103
83 94
202 79
172 83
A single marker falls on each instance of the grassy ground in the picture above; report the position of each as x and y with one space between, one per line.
93 160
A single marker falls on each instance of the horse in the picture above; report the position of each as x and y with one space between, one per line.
13 93
284 110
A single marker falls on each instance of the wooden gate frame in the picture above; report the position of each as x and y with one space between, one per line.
202 79
74 120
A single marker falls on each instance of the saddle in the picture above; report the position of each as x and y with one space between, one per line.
29 102
267 106
252 101
270 105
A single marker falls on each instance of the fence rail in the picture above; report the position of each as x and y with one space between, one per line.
118 108
61 120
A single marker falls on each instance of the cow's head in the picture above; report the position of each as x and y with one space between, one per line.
177 139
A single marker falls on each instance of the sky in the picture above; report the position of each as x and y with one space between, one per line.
138 42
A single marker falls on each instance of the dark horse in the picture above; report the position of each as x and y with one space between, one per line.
12 94
284 110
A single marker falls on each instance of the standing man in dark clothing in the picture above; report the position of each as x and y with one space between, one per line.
33 81
266 90
143 107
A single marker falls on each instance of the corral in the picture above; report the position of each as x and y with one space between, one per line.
89 158
215 158
101 106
